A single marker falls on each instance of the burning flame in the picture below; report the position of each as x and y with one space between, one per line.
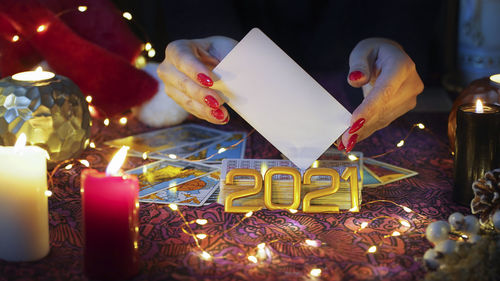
20 142
479 106
116 163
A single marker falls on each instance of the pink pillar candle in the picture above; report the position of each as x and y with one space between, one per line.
110 224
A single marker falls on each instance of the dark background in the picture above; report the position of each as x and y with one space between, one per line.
317 34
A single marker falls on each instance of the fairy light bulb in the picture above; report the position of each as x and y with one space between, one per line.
363 225
123 120
84 163
249 214
48 193
148 46
82 8
312 243
405 223
172 156
395 233
316 272
68 167
421 126
88 99
15 38
261 246
293 211
151 53
106 122
253 259
173 207
400 143
352 157
372 249
406 209
201 221
41 28
206 256
221 150
127 15
145 155
92 144
201 236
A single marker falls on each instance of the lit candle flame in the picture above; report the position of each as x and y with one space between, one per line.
20 142
116 163
38 75
479 106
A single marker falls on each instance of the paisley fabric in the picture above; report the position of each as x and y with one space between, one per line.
168 253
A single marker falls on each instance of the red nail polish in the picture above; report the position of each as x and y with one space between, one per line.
341 146
218 114
351 142
356 75
211 101
357 125
205 80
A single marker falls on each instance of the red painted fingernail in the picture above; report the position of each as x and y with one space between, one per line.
351 142
218 114
205 80
341 146
356 75
357 125
211 101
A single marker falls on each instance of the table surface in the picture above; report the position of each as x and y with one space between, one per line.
168 253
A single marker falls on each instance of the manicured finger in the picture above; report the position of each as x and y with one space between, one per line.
181 54
360 62
171 76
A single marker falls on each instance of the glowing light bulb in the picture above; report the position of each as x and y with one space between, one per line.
48 193
151 53
172 156
363 225
221 150
316 272
421 126
106 122
253 259
82 8
312 243
173 207
261 246
148 46
201 221
127 15
293 211
372 249
15 38
68 167
92 144
406 209
85 163
145 155
123 120
400 143
41 28
88 99
249 214
405 223
205 256
201 236
352 157
315 164
396 233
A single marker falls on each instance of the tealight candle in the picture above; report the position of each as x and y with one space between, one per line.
110 222
24 216
477 146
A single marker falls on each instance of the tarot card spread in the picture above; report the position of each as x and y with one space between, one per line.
279 99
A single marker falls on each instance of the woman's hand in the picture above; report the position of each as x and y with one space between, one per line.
390 85
187 74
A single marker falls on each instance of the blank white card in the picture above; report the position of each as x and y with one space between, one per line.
279 99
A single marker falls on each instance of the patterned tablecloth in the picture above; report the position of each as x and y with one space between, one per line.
168 253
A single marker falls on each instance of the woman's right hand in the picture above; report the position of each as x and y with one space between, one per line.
187 74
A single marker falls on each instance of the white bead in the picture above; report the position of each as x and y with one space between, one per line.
471 225
431 259
496 219
437 231
456 221
474 238
446 247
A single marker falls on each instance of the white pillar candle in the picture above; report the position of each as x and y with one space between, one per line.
24 225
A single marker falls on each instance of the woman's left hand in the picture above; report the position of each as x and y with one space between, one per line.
390 85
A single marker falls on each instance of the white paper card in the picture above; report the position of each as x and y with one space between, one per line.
279 99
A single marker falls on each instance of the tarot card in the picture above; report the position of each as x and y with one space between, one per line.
192 193
230 152
165 174
169 138
183 151
380 173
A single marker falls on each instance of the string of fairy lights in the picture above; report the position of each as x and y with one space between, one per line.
260 251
